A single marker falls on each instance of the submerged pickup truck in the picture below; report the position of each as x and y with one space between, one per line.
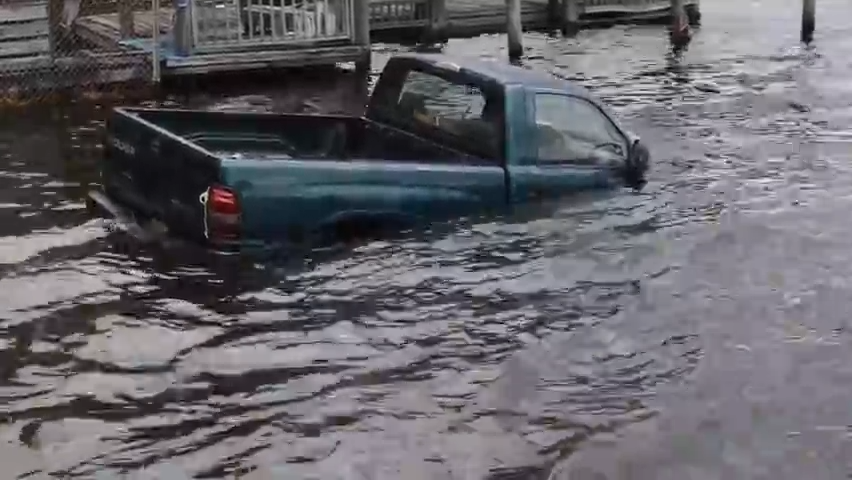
441 136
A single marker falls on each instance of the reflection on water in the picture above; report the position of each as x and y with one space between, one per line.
697 329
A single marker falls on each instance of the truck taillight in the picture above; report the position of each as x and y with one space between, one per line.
223 213
222 200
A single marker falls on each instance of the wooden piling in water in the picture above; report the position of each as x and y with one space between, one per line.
553 13
182 32
54 26
570 17
808 20
438 20
678 11
362 34
679 34
125 18
155 40
514 29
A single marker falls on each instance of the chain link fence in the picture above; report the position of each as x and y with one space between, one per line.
53 49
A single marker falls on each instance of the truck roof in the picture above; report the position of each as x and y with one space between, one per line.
501 72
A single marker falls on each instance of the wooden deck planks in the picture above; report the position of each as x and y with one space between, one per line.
23 31
472 17
459 8
143 23
23 48
242 61
23 13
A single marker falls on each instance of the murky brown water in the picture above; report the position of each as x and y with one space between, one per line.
698 330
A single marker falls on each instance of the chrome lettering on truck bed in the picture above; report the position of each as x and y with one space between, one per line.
122 146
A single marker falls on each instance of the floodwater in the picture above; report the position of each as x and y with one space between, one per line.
696 330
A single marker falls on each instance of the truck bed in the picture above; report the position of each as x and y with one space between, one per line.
158 163
258 136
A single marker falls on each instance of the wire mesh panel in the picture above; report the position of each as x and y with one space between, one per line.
49 48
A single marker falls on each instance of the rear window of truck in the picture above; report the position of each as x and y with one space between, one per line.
445 109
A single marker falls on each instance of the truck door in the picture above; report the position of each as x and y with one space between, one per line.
567 144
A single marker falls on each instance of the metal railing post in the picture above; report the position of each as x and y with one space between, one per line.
182 27
155 38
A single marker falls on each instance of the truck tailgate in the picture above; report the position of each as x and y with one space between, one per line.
155 173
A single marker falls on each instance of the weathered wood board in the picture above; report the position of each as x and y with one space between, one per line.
23 13
23 30
23 48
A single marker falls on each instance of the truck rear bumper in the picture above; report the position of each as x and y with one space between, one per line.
148 230
100 205
121 218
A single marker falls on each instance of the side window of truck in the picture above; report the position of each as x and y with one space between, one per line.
572 129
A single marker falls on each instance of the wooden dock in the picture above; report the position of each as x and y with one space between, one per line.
238 35
475 17
104 31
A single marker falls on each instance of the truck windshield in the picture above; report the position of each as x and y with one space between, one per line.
459 113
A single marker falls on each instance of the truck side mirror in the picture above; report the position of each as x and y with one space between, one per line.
637 163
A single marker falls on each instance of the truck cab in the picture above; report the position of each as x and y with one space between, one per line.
551 135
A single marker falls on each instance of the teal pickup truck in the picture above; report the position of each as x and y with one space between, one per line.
441 137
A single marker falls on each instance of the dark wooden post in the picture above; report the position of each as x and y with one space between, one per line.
182 28
155 39
570 17
514 29
438 20
554 16
808 20
54 26
125 18
361 35
680 33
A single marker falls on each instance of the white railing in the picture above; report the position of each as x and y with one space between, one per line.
626 6
230 25
385 14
